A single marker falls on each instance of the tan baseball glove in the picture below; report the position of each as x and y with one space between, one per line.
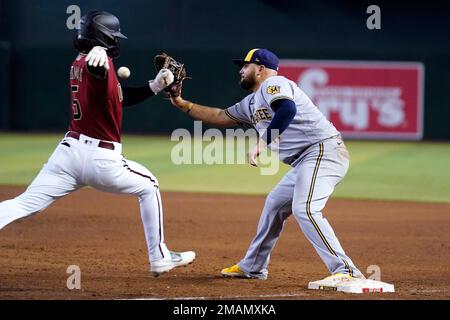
164 61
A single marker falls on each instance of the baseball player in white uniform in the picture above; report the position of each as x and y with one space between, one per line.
90 152
287 121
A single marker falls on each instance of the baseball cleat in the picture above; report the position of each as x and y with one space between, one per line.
176 259
331 282
236 272
182 258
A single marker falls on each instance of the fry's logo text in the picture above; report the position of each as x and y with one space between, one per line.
354 103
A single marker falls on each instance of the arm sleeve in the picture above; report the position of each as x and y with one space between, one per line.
134 95
285 111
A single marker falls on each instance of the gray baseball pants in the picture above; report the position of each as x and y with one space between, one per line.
304 191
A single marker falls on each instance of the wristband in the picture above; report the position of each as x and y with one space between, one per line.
190 107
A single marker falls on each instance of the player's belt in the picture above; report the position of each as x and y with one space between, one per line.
101 144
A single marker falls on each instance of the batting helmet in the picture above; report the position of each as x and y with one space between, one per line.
99 28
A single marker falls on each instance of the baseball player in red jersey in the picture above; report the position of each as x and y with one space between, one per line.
90 154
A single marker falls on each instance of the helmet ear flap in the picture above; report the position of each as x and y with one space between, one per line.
114 50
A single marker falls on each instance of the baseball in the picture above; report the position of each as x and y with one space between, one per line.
123 72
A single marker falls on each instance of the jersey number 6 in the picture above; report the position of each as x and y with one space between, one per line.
76 107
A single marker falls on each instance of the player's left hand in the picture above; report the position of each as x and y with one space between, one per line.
163 79
254 153
97 57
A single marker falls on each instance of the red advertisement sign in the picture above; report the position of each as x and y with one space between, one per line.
375 100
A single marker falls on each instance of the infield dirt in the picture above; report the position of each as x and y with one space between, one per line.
102 234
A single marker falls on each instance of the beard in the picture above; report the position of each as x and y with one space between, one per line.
247 83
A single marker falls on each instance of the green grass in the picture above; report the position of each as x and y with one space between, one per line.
415 171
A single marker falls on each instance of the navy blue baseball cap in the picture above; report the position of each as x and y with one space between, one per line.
259 56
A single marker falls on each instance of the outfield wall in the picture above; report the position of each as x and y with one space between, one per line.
37 52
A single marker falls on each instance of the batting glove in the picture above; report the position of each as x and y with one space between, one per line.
97 57
163 79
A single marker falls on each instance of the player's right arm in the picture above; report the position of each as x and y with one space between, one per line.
211 115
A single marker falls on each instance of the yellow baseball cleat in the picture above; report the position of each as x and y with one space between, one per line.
236 272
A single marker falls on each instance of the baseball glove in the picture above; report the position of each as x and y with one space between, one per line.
164 61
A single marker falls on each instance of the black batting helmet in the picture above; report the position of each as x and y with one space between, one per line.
99 28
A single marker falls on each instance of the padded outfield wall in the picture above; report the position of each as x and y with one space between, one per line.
36 51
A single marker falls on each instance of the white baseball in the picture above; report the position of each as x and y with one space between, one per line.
123 72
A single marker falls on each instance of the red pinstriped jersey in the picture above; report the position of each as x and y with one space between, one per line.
96 104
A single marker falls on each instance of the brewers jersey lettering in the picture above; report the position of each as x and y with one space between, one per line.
309 125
